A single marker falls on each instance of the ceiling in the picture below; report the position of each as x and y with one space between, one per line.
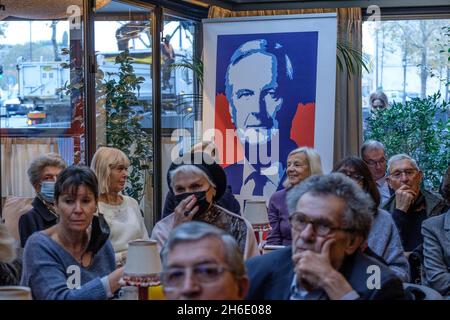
305 4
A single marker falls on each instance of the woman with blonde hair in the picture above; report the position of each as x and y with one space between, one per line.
301 163
121 212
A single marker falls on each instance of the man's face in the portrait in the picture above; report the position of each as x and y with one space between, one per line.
254 101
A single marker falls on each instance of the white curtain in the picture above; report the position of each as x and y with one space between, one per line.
16 156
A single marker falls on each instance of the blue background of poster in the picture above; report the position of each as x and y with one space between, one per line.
301 48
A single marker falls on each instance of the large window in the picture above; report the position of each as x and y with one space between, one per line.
408 61
123 86
41 93
33 75
405 97
180 89
60 92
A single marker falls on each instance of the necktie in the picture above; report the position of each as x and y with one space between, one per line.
260 182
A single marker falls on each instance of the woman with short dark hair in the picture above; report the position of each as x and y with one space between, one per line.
73 259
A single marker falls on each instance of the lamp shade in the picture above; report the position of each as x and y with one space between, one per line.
255 211
142 258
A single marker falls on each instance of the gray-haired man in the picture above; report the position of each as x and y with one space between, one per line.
202 262
330 217
411 204
374 155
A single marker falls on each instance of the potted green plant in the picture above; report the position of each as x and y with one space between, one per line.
419 128
123 113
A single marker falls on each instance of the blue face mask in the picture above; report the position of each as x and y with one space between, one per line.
48 191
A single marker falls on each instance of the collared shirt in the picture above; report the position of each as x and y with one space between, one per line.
383 187
272 174
299 293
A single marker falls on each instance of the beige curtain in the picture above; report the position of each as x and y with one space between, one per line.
348 128
45 9
16 156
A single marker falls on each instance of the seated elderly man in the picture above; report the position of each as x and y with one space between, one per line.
197 183
330 219
411 204
436 246
374 155
202 262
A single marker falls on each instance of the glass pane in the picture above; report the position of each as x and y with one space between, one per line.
41 89
124 92
407 57
406 95
33 74
180 89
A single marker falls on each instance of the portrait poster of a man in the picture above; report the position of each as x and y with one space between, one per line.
266 80
264 105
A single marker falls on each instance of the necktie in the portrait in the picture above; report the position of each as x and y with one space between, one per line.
259 180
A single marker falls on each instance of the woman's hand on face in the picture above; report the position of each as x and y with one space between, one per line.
185 210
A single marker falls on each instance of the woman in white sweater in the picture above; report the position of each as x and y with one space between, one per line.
121 212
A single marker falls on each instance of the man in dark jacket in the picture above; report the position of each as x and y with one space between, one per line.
410 205
330 218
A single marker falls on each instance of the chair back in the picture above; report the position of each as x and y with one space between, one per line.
421 292
13 209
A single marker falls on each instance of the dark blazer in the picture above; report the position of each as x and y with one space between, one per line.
436 251
235 174
271 277
409 226
227 201
37 219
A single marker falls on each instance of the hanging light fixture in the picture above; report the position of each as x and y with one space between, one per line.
43 9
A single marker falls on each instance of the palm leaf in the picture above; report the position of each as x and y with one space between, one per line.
196 65
351 60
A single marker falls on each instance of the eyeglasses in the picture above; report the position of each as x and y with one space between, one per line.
203 273
352 175
299 222
372 163
408 172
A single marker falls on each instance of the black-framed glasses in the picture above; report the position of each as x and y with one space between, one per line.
206 273
372 163
322 228
408 172
352 175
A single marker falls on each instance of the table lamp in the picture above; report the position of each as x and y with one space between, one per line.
143 267
255 211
